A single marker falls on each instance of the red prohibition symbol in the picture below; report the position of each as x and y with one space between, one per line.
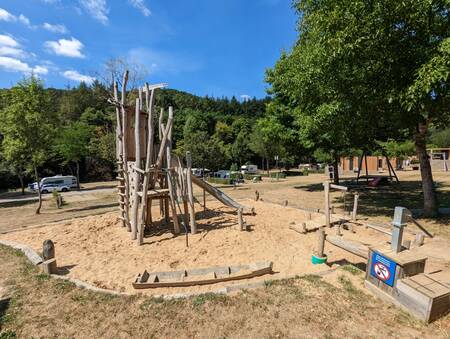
381 271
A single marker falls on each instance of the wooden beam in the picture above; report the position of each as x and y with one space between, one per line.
351 246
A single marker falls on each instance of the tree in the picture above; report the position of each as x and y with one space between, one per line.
368 71
72 144
28 123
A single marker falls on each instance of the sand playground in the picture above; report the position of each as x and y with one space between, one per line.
97 249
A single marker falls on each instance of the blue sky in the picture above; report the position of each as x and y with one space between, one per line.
206 47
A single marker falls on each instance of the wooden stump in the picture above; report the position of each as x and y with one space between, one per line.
48 250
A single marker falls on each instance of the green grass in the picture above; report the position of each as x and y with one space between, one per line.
8 335
351 269
203 298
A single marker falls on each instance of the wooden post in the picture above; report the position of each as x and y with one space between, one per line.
419 239
149 157
240 220
48 250
326 186
304 230
355 206
190 192
137 175
48 253
320 242
204 202
173 197
124 151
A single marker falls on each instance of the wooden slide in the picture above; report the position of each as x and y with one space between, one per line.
221 196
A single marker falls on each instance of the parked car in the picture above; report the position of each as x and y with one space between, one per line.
48 188
68 180
249 169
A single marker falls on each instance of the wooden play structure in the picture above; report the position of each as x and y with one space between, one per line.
148 171
395 271
201 276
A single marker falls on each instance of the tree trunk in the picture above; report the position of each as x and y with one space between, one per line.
430 204
336 171
78 175
22 186
268 170
38 210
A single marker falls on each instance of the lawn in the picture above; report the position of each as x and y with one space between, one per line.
307 306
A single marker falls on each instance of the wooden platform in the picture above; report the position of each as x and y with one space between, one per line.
317 222
202 276
156 193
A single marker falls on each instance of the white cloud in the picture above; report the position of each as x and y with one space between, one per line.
55 28
70 48
23 19
12 51
14 65
97 9
245 97
40 70
140 5
6 16
76 76
6 40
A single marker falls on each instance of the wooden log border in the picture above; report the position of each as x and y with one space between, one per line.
223 290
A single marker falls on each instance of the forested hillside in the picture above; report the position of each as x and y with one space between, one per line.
218 131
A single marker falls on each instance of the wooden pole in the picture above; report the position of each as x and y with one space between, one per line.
355 206
137 175
168 144
125 151
326 186
367 169
240 219
190 192
204 202
359 167
320 242
148 160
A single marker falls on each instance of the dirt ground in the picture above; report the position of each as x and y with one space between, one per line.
98 250
304 307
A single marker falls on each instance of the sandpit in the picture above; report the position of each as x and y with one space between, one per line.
98 250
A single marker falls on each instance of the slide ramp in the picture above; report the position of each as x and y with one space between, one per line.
221 196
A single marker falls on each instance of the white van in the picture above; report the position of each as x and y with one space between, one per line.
249 169
58 180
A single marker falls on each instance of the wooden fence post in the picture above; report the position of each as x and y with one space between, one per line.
355 206
326 186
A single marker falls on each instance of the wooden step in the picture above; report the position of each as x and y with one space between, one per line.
120 178
156 193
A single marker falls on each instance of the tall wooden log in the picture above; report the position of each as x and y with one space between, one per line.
148 160
167 141
190 193
137 175
124 151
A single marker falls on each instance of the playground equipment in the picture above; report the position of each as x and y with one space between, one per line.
147 170
394 272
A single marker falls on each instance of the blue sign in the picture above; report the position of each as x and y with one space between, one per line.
383 269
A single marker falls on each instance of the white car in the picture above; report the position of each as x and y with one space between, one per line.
47 188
